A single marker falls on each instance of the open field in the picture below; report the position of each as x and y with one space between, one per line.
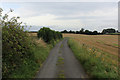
106 43
97 53
32 33
97 63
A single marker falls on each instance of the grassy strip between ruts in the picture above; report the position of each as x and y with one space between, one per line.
30 69
95 64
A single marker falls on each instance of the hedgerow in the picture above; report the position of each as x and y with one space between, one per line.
48 35
16 45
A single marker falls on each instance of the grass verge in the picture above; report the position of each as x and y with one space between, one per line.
94 61
30 68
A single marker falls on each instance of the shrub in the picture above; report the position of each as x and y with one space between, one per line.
48 35
16 45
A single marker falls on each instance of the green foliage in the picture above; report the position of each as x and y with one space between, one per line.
29 69
113 33
16 45
106 31
22 56
95 65
49 35
41 53
82 30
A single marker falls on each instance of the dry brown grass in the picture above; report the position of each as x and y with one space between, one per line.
38 41
32 34
106 43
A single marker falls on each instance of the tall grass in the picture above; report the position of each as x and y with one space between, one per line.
30 67
94 61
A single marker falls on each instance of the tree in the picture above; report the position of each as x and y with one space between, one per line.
82 31
77 32
48 35
117 31
87 32
65 31
95 32
71 31
106 31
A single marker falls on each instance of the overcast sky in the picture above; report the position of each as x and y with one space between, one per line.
59 0
66 15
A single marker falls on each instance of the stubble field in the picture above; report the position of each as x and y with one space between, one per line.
97 53
106 43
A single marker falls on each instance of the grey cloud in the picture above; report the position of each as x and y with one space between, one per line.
63 9
59 0
67 11
79 18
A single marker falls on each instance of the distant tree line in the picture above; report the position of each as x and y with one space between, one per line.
88 32
49 35
106 31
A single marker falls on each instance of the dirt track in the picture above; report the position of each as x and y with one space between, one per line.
60 63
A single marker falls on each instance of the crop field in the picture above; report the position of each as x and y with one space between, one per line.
106 43
97 53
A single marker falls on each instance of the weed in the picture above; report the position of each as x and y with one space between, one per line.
61 46
97 65
61 76
60 61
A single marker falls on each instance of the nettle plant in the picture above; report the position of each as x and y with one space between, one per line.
16 45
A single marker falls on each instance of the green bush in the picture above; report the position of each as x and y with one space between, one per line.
29 70
49 35
16 45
